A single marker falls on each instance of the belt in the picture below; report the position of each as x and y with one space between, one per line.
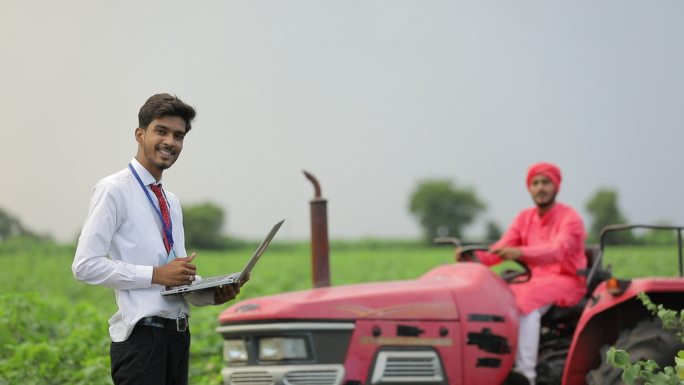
180 324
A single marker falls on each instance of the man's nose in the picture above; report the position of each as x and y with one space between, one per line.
169 139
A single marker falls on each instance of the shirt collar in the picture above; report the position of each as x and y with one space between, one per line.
549 214
144 175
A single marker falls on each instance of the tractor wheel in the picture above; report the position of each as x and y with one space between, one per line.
646 341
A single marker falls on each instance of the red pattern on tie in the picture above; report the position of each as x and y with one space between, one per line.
164 208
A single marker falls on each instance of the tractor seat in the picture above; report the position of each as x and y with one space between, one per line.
557 315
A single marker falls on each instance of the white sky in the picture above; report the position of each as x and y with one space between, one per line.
370 96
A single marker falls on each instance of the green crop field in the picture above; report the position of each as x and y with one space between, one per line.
53 329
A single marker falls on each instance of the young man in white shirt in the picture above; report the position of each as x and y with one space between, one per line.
133 242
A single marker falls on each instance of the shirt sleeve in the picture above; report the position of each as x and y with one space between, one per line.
200 297
511 238
91 263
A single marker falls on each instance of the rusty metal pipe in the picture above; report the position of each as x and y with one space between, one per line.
320 245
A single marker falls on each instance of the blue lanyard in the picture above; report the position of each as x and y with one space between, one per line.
168 231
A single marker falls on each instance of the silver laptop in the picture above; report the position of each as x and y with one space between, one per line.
226 279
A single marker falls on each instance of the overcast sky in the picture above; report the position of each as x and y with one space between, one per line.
369 96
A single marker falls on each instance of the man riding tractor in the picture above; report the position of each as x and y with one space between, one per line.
549 238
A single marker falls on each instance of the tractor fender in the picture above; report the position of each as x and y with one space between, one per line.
606 314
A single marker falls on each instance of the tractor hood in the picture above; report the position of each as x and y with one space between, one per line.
431 297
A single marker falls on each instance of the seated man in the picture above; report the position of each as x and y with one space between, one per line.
549 238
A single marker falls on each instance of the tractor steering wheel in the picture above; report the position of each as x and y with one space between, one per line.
468 253
517 276
509 276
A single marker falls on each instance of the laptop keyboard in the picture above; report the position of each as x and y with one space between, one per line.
215 278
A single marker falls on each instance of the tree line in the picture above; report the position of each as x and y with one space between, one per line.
441 207
11 227
445 209
203 222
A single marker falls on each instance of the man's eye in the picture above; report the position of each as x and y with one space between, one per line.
180 137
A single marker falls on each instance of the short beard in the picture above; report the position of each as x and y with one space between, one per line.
163 166
546 205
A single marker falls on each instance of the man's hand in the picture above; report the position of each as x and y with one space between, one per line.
175 273
457 254
225 293
507 253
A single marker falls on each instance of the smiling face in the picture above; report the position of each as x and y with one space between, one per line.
160 144
543 191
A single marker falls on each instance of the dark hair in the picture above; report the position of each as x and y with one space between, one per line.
161 105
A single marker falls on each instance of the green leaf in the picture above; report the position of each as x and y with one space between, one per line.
618 358
679 364
650 365
630 374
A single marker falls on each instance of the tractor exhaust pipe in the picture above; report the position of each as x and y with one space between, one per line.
320 246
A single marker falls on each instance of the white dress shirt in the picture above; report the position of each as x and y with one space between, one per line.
121 242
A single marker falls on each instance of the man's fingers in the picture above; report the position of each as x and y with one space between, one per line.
225 293
186 262
244 279
186 259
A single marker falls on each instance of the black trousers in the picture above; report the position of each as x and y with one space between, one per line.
151 356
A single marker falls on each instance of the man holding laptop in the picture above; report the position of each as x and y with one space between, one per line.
133 242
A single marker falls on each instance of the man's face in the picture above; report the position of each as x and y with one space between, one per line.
160 143
543 191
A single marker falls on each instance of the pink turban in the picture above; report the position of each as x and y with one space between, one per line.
549 170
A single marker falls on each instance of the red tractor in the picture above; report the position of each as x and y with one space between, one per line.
456 324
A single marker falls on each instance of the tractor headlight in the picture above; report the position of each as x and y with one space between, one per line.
282 348
234 351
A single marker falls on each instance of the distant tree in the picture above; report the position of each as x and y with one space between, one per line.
9 226
492 231
604 211
203 225
444 209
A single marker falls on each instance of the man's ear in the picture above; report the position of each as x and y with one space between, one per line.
139 133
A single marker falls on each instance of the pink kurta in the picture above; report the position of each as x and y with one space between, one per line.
553 247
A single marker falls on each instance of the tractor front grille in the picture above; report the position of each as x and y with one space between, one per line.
250 378
326 347
284 375
313 377
409 367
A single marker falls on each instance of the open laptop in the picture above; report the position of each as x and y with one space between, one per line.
226 279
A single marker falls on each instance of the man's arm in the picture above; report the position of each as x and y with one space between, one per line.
509 241
91 264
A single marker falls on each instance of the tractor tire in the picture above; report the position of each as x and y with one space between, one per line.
646 341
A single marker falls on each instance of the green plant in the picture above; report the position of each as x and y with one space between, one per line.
648 371
50 342
46 314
